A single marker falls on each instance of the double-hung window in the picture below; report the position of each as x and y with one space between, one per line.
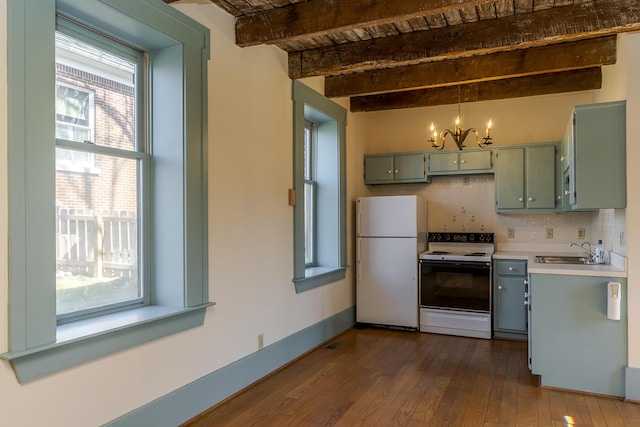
99 217
310 136
106 178
319 150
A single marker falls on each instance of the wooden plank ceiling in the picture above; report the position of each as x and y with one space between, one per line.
387 54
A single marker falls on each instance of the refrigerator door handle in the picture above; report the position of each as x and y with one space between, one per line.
358 263
358 218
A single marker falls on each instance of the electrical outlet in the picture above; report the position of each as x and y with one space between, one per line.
580 233
511 233
549 233
260 341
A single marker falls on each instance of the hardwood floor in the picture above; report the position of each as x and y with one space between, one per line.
378 377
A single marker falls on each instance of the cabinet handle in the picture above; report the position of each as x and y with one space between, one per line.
455 162
562 158
510 268
530 199
462 161
499 287
559 197
389 171
520 199
566 192
396 170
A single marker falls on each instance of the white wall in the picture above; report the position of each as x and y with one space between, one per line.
250 248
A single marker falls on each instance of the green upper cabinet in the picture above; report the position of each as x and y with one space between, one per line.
525 178
393 168
461 162
594 144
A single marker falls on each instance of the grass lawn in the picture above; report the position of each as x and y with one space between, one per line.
78 292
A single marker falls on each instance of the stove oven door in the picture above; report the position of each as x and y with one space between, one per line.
455 285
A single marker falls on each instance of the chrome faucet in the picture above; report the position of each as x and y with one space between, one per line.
592 254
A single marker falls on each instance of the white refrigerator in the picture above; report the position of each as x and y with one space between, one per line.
390 233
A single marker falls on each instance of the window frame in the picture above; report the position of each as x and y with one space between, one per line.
331 208
179 50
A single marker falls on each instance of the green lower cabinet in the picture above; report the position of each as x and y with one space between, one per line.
573 343
509 289
395 168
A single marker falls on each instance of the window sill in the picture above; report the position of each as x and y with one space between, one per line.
318 276
88 339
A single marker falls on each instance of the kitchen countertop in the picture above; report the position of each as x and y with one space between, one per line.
616 268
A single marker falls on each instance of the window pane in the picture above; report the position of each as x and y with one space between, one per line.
308 224
307 151
97 237
95 95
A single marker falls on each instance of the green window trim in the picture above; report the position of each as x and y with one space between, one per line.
179 50
331 232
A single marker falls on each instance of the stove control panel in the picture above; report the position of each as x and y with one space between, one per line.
461 237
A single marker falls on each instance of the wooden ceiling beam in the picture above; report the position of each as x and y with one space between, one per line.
551 58
588 20
541 84
316 18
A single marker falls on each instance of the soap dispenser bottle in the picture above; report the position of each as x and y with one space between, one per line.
599 253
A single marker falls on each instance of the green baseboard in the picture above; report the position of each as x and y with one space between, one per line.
190 400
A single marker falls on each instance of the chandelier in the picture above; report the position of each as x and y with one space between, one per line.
458 134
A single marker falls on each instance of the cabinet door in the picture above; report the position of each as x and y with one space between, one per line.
443 162
475 160
541 177
574 345
510 313
409 167
567 146
509 177
599 162
378 169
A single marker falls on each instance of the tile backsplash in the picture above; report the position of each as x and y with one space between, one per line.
467 203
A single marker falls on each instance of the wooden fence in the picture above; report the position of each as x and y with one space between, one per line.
103 245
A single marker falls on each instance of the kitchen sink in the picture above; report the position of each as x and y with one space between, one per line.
562 259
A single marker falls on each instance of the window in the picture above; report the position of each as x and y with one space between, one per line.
74 122
310 136
144 196
319 175
98 226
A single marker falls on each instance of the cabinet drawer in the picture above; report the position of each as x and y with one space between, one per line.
511 268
